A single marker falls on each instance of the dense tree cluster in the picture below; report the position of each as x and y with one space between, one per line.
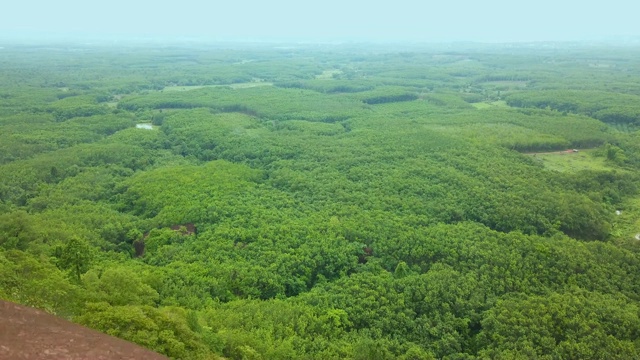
605 106
326 203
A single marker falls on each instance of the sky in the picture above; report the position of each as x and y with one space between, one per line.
328 20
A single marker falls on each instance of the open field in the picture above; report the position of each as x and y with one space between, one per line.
569 161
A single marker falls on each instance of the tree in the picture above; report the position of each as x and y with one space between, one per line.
75 256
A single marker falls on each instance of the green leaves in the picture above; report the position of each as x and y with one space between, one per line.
119 286
605 106
35 281
75 256
188 194
575 324
162 330
358 203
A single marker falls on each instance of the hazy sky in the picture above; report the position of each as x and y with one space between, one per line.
426 20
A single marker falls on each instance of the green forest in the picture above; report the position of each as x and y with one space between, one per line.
259 201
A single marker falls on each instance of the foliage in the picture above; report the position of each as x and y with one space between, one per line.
163 330
577 324
343 202
75 256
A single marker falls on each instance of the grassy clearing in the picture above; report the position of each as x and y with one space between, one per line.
627 225
233 86
490 105
328 74
573 162
146 126
510 84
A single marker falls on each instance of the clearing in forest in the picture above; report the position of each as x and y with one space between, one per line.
627 222
570 161
244 85
490 104
507 84
328 74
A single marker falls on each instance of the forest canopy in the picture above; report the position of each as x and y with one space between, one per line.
327 202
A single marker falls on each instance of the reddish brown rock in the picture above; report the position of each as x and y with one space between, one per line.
27 333
185 229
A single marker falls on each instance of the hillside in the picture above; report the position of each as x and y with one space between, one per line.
327 202
30 334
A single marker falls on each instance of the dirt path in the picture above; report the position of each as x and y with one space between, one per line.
27 333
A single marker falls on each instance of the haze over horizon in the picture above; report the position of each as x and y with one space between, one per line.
330 20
